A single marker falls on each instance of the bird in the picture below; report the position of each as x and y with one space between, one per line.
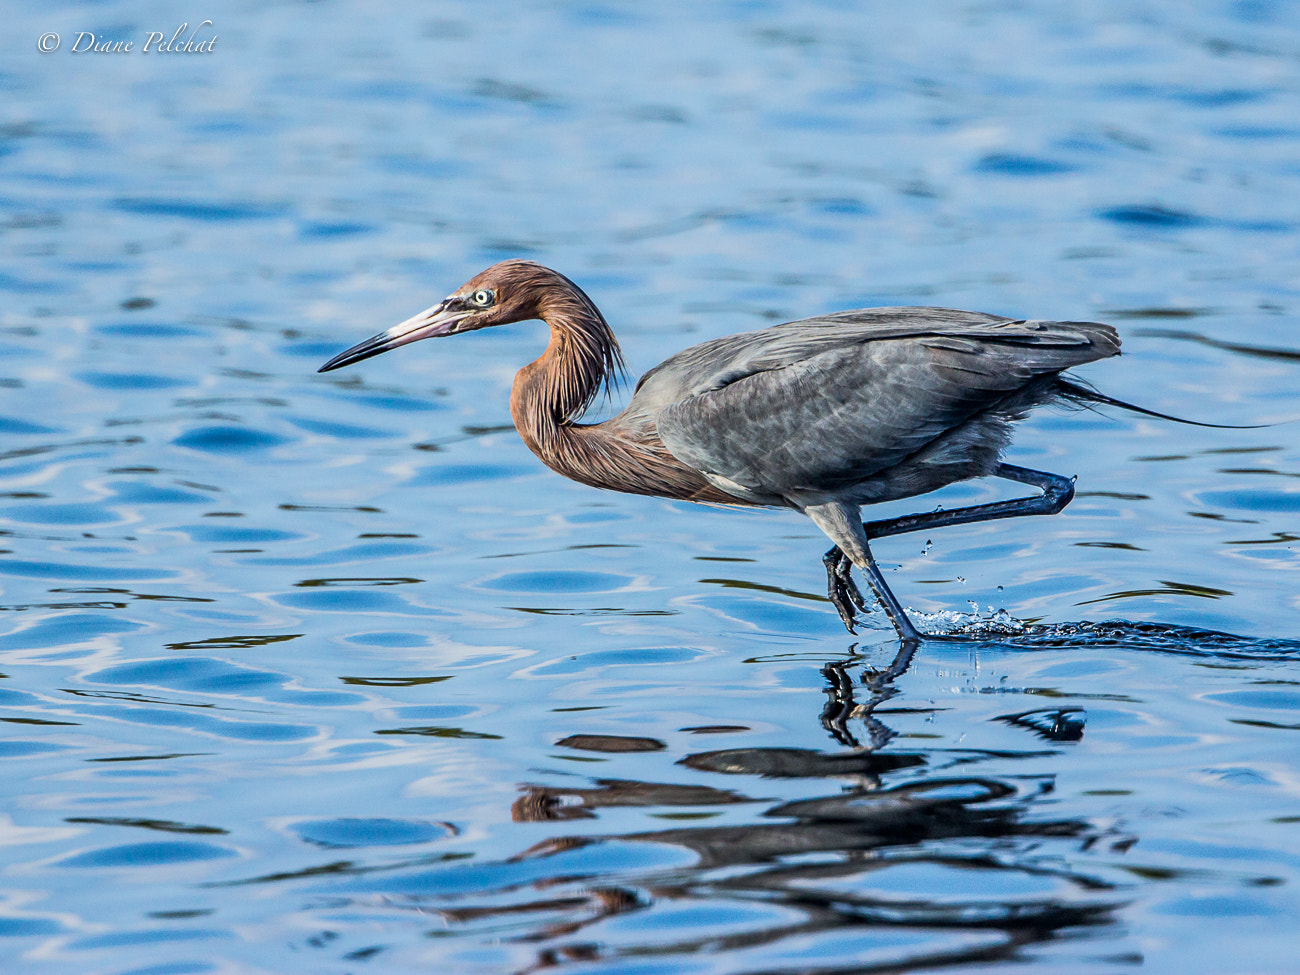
822 415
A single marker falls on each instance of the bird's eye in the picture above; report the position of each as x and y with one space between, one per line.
482 297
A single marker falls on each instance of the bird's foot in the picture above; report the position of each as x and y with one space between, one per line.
841 589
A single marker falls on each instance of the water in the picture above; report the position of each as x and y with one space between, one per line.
328 674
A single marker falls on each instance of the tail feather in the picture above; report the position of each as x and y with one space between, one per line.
1087 397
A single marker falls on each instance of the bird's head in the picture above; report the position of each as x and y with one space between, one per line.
512 291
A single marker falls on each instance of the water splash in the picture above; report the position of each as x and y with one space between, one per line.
975 623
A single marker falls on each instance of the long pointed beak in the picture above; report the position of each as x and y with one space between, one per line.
431 323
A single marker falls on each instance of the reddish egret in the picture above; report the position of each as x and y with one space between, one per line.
823 415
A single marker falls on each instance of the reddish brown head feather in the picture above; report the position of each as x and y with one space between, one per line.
583 356
551 394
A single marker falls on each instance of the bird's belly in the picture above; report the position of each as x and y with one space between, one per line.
742 493
971 449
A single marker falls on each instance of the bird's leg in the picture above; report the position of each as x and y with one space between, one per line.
840 587
851 546
845 575
841 523
1058 491
893 608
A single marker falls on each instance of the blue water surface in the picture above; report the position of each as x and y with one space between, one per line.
328 674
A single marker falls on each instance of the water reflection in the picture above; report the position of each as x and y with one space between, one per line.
1052 724
862 856
894 863
1239 348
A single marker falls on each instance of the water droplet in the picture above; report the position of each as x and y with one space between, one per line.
999 588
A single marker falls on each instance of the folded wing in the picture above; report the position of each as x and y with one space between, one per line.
823 404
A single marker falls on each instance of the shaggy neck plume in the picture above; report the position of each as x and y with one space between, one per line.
582 357
552 393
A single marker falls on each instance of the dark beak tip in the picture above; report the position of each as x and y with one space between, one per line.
433 326
370 347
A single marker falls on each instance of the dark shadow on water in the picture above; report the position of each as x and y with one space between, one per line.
1254 351
1052 724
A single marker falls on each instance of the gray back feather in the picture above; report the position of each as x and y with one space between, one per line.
821 405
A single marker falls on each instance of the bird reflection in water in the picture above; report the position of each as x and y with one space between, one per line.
825 865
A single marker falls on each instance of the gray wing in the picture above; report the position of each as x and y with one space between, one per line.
825 403
716 363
